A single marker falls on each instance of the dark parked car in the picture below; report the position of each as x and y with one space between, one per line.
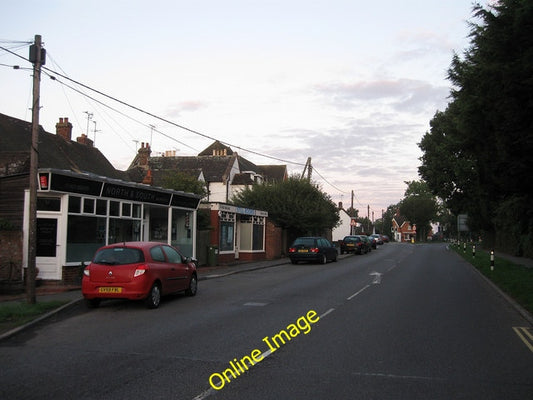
369 243
354 244
138 271
314 249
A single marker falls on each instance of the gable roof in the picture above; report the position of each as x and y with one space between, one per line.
54 152
217 149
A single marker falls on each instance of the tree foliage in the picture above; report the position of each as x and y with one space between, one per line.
177 180
477 155
419 206
296 205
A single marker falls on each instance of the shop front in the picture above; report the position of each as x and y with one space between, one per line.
238 233
78 213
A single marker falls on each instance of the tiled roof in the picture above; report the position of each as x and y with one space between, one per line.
54 152
215 168
273 173
242 179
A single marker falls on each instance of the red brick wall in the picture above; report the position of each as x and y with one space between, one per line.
273 241
11 255
72 274
273 244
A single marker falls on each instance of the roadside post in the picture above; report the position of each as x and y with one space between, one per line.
474 251
492 260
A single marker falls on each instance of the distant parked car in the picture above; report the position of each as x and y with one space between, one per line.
312 249
378 238
138 271
385 238
351 244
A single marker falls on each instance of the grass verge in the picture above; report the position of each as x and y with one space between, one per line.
14 314
515 280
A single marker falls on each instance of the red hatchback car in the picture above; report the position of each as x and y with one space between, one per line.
138 271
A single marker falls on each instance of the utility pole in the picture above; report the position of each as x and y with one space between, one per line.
307 168
352 203
38 58
368 218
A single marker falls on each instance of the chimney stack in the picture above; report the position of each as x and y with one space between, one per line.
83 139
64 129
144 155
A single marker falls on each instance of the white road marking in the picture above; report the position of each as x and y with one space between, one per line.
356 293
377 278
326 313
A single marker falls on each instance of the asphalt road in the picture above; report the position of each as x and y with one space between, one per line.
404 322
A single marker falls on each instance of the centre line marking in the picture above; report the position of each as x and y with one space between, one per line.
355 294
326 313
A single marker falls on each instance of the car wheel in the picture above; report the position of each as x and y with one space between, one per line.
154 296
323 260
335 257
193 286
92 303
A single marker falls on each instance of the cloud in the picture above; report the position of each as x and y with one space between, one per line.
176 110
406 95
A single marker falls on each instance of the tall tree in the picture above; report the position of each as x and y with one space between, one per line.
477 154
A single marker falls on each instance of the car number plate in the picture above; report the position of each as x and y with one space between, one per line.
302 251
349 244
110 289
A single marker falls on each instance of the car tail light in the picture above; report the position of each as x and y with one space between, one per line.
140 270
292 250
314 250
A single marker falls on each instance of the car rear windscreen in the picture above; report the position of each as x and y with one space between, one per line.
118 256
305 242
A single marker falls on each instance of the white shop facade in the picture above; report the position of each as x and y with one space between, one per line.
79 213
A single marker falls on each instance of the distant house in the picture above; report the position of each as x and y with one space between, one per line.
224 172
83 203
402 229
237 233
348 225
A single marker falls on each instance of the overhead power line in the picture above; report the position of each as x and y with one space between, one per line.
166 120
49 72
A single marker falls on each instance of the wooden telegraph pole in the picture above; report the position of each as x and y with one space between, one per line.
37 57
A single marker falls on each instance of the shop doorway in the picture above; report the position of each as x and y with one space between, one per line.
46 251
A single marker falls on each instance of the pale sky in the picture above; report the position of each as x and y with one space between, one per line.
351 84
